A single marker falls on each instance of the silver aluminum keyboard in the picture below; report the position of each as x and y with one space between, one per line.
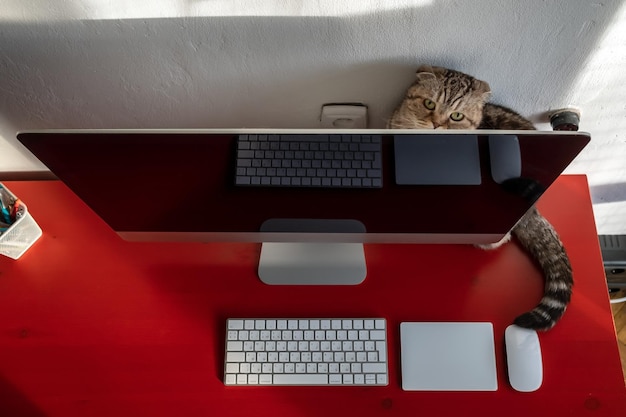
306 352
312 160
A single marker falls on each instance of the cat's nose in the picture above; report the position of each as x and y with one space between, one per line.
436 125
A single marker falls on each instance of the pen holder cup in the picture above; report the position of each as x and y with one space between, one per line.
21 234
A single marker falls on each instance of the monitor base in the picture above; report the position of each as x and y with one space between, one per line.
312 263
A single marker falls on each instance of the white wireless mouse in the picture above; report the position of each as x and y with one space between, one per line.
523 357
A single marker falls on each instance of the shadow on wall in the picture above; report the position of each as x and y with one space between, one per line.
277 71
608 193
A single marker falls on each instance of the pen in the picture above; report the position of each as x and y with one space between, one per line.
6 214
16 210
4 227
6 206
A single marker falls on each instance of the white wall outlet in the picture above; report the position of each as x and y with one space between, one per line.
344 116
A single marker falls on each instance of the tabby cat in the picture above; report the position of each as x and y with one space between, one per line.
445 99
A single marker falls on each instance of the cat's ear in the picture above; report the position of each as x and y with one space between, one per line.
482 89
425 68
426 75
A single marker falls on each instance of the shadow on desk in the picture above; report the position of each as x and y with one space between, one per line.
619 315
14 403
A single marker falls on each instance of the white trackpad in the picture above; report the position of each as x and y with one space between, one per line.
448 357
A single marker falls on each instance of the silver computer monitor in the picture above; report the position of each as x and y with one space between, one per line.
178 185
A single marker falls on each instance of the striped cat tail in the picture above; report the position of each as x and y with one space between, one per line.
540 240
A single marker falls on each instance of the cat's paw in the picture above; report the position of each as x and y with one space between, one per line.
492 246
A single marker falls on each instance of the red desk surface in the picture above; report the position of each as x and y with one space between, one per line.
91 325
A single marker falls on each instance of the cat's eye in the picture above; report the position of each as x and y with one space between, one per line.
429 104
456 116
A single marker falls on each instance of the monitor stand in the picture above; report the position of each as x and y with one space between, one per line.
312 263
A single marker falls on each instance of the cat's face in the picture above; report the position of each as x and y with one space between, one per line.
441 99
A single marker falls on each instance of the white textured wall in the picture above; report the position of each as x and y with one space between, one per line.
116 64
